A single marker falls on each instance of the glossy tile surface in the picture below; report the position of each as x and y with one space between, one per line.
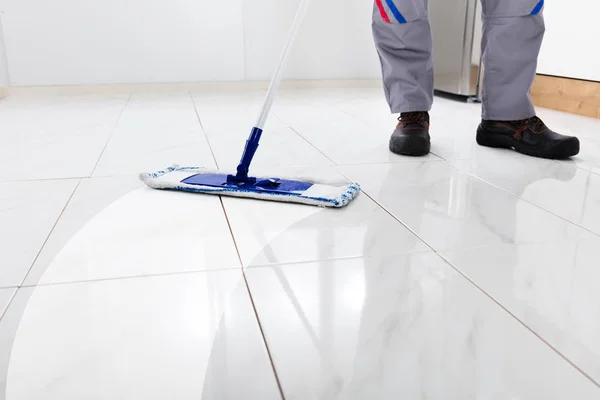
5 297
112 290
92 197
272 233
155 131
401 327
586 129
184 336
55 137
562 189
228 121
449 209
570 124
449 140
342 137
589 157
28 211
147 232
552 288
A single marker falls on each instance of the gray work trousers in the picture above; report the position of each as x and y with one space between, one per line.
512 36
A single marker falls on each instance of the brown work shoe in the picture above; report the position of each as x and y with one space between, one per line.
411 137
529 136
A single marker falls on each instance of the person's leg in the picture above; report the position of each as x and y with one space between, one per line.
404 44
513 31
403 40
512 37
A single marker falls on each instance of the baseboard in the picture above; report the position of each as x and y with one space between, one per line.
190 87
565 94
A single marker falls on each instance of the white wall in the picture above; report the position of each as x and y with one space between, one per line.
112 41
3 63
335 42
572 40
121 41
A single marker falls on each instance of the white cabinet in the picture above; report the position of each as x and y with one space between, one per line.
570 46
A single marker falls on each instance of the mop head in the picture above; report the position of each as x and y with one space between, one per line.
289 190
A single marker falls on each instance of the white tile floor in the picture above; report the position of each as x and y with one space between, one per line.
468 274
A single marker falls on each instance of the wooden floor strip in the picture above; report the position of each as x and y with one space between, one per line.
570 95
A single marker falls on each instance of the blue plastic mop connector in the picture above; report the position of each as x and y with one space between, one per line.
241 182
242 170
242 178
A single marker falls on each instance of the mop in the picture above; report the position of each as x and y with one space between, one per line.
291 190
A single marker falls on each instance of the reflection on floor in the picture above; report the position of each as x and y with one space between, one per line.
471 273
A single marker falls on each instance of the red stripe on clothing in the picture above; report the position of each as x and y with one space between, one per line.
382 11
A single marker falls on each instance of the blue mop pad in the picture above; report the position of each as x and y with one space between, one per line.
290 190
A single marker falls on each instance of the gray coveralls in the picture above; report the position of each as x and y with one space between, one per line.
512 36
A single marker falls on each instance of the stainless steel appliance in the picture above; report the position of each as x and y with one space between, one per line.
456 26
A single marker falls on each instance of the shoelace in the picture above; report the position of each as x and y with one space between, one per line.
536 120
410 117
524 125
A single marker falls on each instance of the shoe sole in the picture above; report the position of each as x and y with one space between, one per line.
413 147
564 149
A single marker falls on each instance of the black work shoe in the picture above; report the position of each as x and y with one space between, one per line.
530 136
411 137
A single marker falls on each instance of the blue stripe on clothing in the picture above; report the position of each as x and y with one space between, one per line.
538 8
399 17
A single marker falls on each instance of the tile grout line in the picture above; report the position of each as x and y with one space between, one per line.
490 296
212 152
21 285
308 141
112 132
434 153
582 169
522 199
326 104
8 304
334 164
448 162
522 323
332 259
117 278
260 326
368 123
67 178
205 271
256 316
64 178
408 161
392 215
50 233
262 332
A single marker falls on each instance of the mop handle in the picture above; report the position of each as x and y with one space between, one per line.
241 176
276 80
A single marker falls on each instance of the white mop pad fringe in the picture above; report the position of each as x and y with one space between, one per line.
323 193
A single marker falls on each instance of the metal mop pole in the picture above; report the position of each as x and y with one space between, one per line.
255 134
